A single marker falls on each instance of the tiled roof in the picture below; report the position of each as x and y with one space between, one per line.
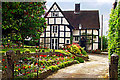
88 19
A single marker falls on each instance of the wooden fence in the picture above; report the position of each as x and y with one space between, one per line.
113 67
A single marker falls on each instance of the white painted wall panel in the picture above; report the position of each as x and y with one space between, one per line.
58 20
65 21
61 28
61 34
42 35
67 34
95 32
60 14
48 28
67 29
75 32
51 20
61 45
47 34
89 32
49 14
82 32
95 46
61 40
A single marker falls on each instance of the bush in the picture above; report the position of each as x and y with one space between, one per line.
79 59
76 49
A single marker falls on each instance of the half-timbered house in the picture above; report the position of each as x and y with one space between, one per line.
66 27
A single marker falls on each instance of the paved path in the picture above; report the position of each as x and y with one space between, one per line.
97 67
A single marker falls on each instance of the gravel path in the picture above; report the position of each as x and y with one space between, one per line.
96 67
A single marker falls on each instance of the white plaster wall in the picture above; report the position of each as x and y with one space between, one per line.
42 40
47 34
49 14
51 20
61 28
58 20
65 21
42 35
60 14
82 32
47 40
89 47
61 40
67 34
48 28
55 7
89 32
61 45
67 29
61 34
95 32
75 32
95 46
48 45
96 39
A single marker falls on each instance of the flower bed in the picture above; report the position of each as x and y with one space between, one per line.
27 67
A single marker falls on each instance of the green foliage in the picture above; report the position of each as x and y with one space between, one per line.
27 50
75 49
105 42
21 20
79 59
114 31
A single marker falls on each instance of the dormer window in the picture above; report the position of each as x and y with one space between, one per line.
54 14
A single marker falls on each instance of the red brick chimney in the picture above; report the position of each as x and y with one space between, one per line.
77 8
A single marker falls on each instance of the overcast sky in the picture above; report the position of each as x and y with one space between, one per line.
104 7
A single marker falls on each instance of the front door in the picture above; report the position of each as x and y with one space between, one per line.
54 43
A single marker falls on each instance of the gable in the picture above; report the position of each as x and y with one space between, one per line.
56 15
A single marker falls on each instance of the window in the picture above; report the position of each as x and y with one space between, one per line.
67 41
55 14
54 29
76 38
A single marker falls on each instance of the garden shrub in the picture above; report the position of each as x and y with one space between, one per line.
27 50
79 59
76 49
114 33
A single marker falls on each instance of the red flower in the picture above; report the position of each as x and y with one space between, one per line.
5 66
43 66
23 67
14 61
73 57
36 64
56 59
19 69
40 47
45 55
37 56
63 49
23 73
81 54
28 72
3 60
35 70
57 55
41 63
25 59
29 66
57 62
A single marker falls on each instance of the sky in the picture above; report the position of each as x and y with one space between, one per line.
104 7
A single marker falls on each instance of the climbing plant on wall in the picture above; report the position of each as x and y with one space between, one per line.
114 31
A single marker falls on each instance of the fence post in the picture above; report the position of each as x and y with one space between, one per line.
113 67
10 69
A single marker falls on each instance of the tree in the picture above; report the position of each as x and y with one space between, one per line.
21 20
105 42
